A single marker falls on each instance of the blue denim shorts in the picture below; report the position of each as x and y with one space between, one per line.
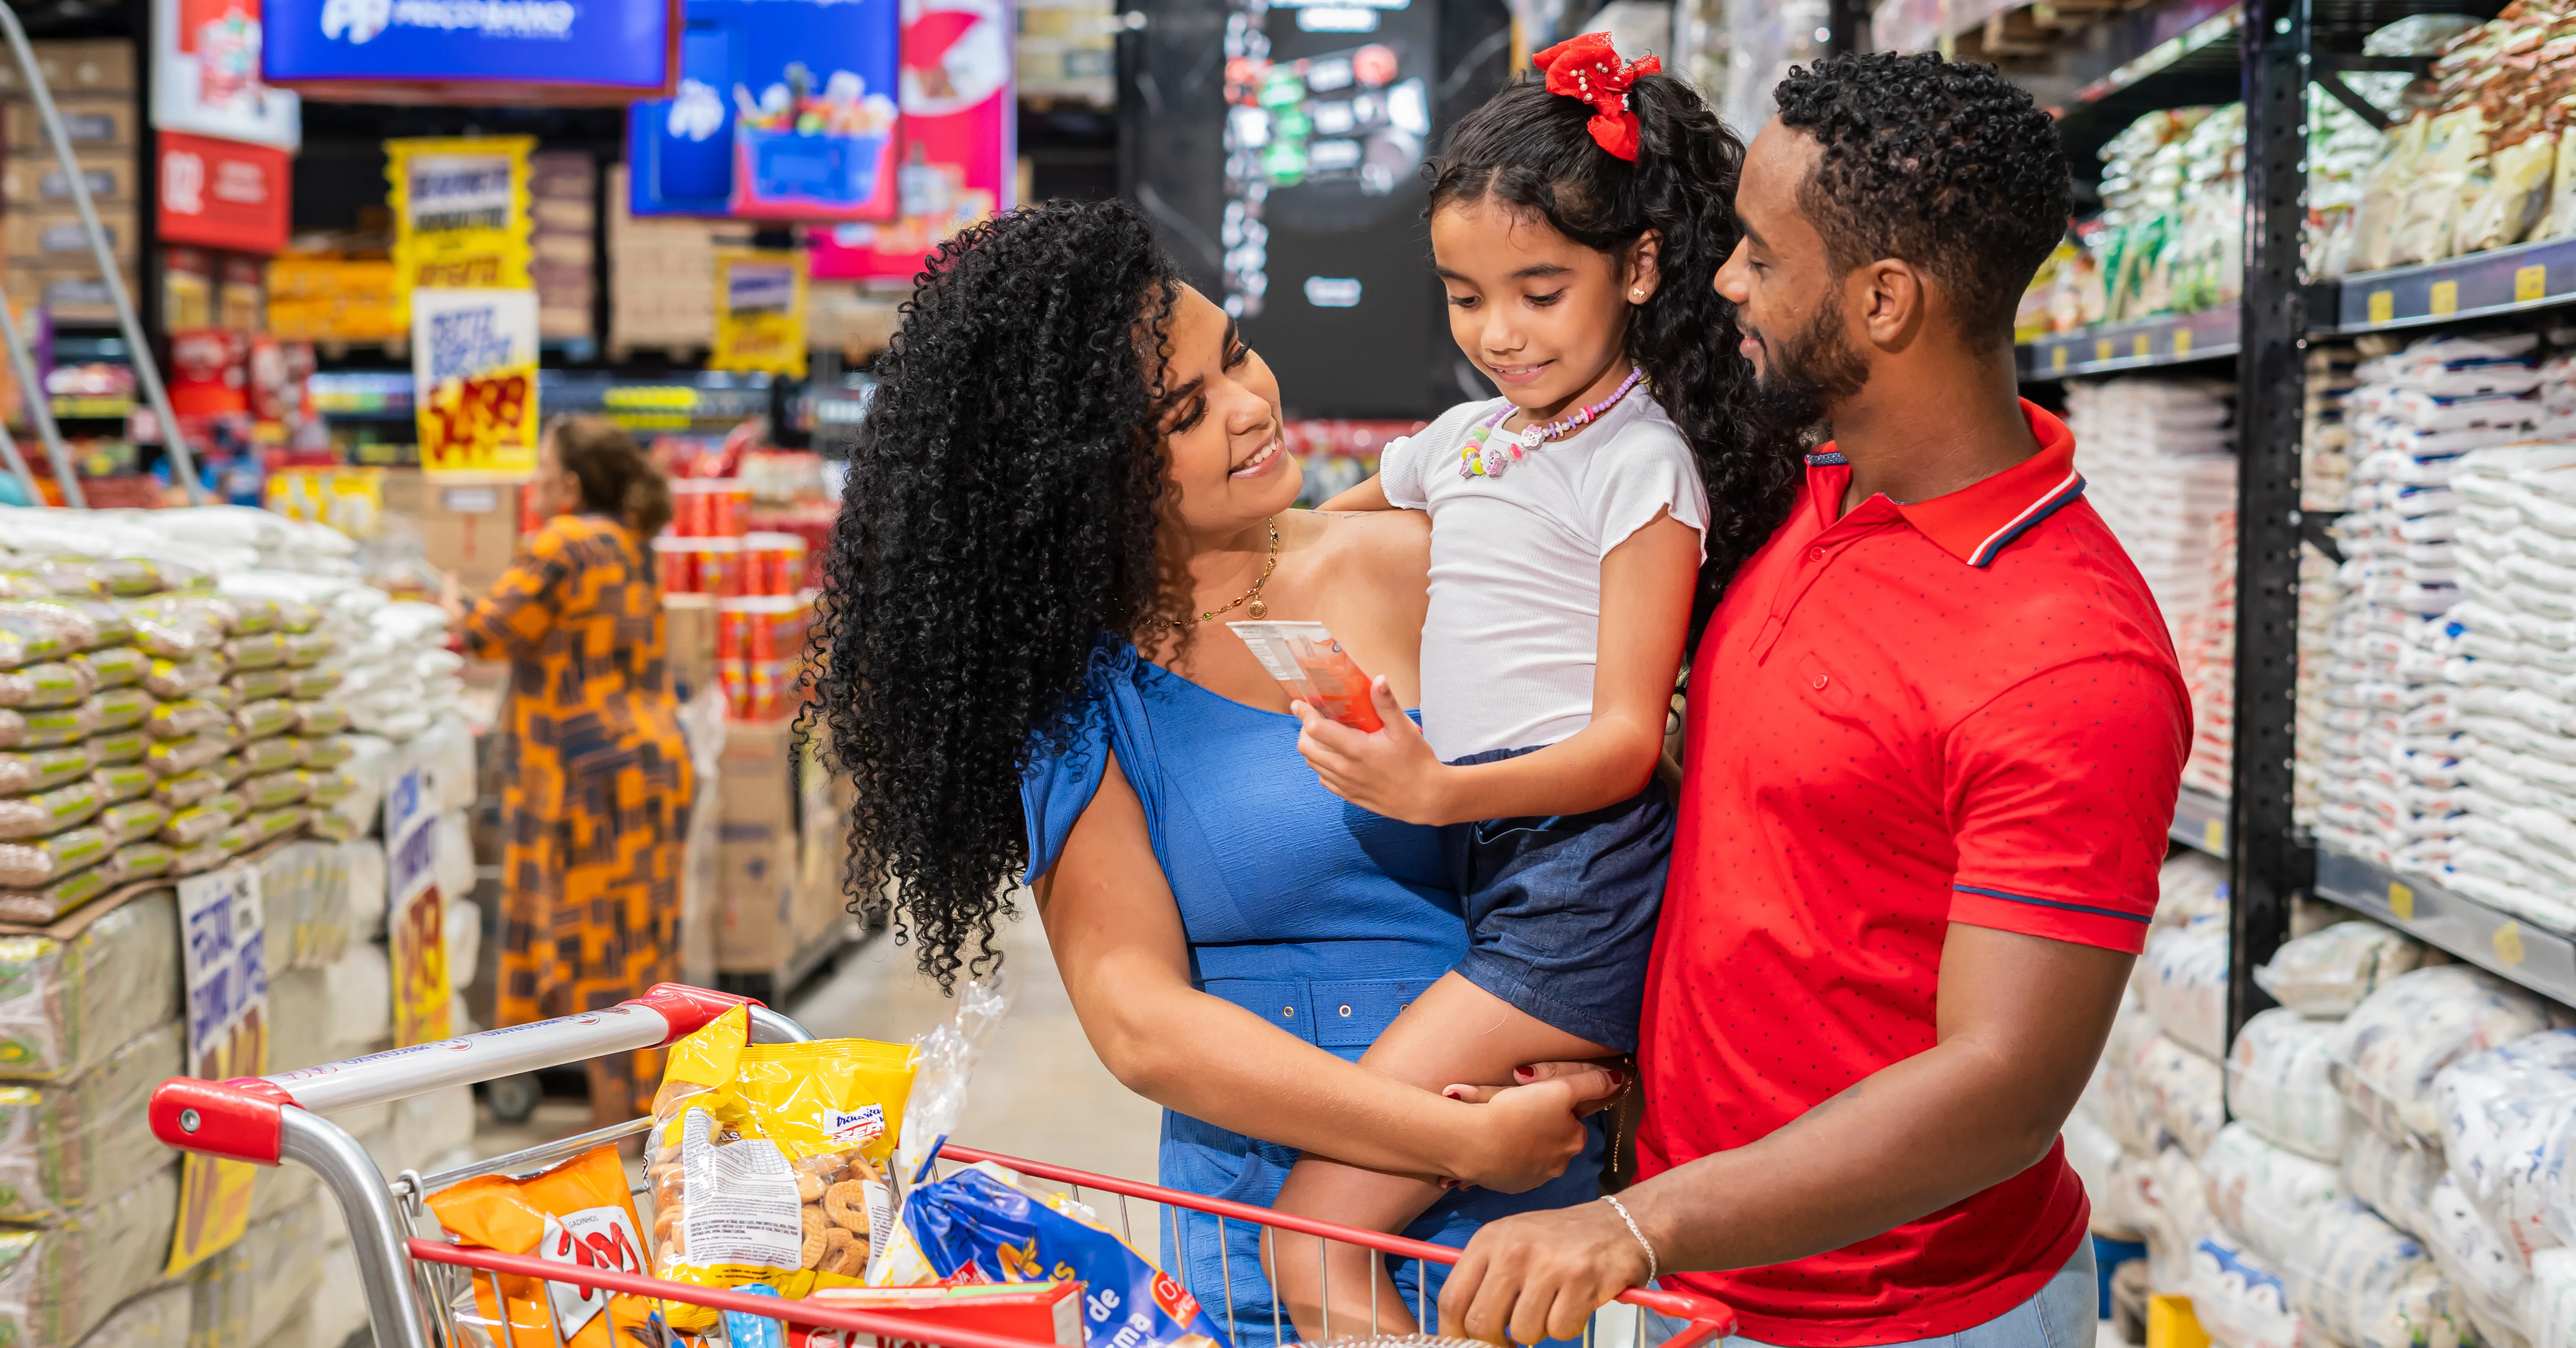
1561 908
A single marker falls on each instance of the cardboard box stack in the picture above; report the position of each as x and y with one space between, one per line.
563 205
49 256
661 292
1068 51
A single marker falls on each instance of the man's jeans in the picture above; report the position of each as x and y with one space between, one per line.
2062 1314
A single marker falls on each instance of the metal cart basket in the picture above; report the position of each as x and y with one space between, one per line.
410 1282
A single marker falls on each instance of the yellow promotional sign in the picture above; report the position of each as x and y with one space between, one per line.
760 313
474 380
223 951
460 208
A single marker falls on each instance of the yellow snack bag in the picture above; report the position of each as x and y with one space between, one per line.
774 1174
577 1213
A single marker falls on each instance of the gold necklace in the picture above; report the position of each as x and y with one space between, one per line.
1251 596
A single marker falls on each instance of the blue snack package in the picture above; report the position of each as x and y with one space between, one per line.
743 1330
976 1226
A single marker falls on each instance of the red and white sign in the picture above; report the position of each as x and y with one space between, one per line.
224 194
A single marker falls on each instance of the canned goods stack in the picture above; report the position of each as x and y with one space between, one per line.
703 551
759 641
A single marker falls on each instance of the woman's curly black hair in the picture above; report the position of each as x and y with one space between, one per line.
1531 150
999 517
1946 164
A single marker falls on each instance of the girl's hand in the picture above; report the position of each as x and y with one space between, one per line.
1527 1134
1391 770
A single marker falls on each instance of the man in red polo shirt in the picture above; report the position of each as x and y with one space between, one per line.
1935 733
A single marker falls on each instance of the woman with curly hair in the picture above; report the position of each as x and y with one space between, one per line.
1073 472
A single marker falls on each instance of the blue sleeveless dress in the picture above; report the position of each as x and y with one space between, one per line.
1306 910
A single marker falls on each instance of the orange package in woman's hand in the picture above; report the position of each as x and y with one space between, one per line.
577 1213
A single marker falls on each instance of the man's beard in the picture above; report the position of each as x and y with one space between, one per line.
1808 373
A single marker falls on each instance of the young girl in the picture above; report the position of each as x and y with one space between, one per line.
1578 226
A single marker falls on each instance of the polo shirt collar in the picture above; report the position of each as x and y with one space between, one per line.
1976 522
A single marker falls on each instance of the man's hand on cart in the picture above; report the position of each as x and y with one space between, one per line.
1541 1275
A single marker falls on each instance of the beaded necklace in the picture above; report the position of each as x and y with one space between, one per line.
1489 451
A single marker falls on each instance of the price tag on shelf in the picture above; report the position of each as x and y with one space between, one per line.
2401 901
2445 298
2213 836
2057 358
2141 346
2530 283
2508 943
2182 342
2383 305
2101 348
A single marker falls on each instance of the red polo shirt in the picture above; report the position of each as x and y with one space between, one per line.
1963 710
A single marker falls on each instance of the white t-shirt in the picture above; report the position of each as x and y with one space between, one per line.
1515 624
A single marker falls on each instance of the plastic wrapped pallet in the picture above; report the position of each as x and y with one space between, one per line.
304 897
2508 1124
2265 1196
64 1145
2329 971
59 1283
429 1124
2395 1178
87 986
2387 1052
2363 1283
2280 1083
2182 978
2191 888
2176 1204
2549 1309
2238 1297
156 1319
359 992
2486 1273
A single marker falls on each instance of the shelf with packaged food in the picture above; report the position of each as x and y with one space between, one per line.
2139 344
2509 946
2172 55
2526 276
2200 823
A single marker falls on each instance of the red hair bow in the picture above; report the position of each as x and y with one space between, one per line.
1588 68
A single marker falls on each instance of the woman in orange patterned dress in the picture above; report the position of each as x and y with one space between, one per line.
597 779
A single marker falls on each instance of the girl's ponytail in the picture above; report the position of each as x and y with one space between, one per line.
1536 151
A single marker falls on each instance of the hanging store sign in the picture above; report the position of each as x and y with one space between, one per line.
533 51
786 110
223 953
760 313
415 925
206 75
224 194
960 124
460 209
474 380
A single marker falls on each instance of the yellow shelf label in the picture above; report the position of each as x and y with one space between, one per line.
2383 305
2182 341
2141 346
2057 357
2401 901
2101 348
2446 297
2508 943
2213 836
2530 283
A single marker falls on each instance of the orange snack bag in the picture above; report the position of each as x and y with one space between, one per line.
1314 669
577 1213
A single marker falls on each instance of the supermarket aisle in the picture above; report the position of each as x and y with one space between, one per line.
1040 1092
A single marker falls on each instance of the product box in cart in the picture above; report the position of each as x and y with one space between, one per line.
1035 1312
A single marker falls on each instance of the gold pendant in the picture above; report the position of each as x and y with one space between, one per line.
1257 608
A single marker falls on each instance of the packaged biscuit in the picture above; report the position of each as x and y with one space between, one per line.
577 1213
768 1161
1314 669
979 1225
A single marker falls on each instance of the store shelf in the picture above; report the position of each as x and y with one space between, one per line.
2540 960
2524 277
2162 56
2168 339
2200 823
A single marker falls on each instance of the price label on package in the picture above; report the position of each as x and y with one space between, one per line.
224 955
1314 669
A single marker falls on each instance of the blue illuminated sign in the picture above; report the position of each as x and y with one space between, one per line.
623 43
786 111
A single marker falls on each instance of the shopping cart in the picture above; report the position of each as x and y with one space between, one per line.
411 1283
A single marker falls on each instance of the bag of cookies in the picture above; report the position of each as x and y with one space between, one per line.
577 1213
768 1161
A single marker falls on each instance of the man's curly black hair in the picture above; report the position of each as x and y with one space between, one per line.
1944 164
999 518
1529 149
